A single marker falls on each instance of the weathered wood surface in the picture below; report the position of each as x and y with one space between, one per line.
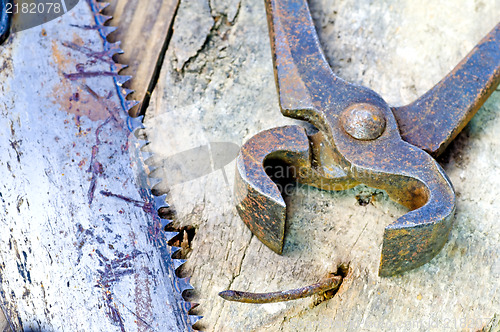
217 85
142 28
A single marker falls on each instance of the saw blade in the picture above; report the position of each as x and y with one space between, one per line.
81 244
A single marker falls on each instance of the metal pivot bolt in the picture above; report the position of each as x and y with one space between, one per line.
363 121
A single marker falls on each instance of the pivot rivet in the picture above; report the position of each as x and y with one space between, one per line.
363 121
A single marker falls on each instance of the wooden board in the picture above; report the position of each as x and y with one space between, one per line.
142 28
217 85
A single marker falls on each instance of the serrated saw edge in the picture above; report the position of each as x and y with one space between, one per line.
158 236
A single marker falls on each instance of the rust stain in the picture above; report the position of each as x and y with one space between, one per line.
77 40
82 162
73 97
62 62
75 100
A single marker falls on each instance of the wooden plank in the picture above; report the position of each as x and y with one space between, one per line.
226 93
142 28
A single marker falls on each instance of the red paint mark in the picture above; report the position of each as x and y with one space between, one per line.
95 167
105 56
145 206
113 271
82 162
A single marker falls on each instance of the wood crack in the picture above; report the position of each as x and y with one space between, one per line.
159 63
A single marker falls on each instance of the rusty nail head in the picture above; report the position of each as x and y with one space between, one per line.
363 121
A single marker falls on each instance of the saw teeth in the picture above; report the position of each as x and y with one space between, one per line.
154 182
107 29
101 19
125 92
121 79
101 5
190 306
160 201
149 168
114 48
178 263
142 143
170 236
148 158
194 319
175 249
184 284
130 103
165 222
120 67
134 125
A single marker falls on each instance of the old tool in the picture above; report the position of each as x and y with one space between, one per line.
359 138
332 282
82 246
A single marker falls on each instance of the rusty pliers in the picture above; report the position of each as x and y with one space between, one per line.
360 139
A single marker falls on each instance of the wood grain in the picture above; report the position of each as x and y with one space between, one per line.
142 28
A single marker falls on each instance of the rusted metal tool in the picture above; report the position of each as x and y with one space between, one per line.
330 283
360 139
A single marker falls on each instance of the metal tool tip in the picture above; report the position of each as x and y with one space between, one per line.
228 295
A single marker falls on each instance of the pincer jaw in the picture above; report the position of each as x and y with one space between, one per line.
419 235
408 247
258 199
263 214
411 241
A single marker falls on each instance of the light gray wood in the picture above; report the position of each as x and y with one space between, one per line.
225 92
